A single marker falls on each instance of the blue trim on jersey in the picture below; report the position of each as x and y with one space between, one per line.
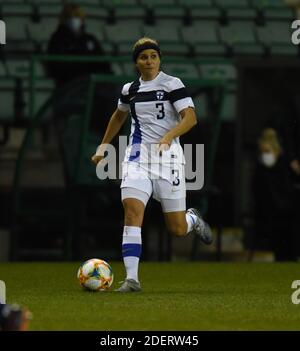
137 134
136 140
131 250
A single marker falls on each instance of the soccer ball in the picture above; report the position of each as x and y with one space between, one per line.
95 274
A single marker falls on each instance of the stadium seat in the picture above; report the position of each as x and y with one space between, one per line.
47 9
161 12
224 71
171 23
181 70
129 69
274 9
95 27
116 3
205 14
240 37
42 31
16 9
200 9
98 12
202 35
16 28
129 12
209 49
89 2
130 23
230 4
176 49
37 2
124 48
241 14
197 3
284 50
200 32
108 48
260 4
122 33
277 36
20 48
117 69
123 36
55 9
279 14
153 3
162 33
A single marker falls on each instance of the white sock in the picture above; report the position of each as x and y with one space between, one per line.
131 250
2 293
191 220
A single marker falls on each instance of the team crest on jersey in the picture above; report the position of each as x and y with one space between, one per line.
160 95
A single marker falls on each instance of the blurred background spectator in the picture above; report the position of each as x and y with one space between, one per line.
14 318
273 193
71 38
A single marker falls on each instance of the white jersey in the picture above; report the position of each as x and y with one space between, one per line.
154 106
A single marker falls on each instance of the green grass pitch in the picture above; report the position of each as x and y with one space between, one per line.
176 296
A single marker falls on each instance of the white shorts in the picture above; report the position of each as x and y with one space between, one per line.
165 182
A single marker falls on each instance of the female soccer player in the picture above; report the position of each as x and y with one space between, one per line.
161 111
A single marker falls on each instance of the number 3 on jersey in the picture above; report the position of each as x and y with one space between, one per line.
161 110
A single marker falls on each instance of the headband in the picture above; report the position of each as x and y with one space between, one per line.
143 47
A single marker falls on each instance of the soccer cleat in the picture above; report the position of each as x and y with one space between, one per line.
201 228
129 285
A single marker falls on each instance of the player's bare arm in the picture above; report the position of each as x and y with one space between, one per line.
116 122
188 121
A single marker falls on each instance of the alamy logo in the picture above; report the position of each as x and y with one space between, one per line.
2 292
296 33
2 32
296 294
159 165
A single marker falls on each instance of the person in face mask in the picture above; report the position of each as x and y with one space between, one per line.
270 149
71 38
75 24
273 198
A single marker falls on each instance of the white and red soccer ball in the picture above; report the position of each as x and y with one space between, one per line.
95 274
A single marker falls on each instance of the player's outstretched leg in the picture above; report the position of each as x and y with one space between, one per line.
200 227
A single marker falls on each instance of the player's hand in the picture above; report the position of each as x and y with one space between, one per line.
96 159
164 144
99 155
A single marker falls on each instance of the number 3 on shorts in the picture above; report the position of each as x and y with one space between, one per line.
176 180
